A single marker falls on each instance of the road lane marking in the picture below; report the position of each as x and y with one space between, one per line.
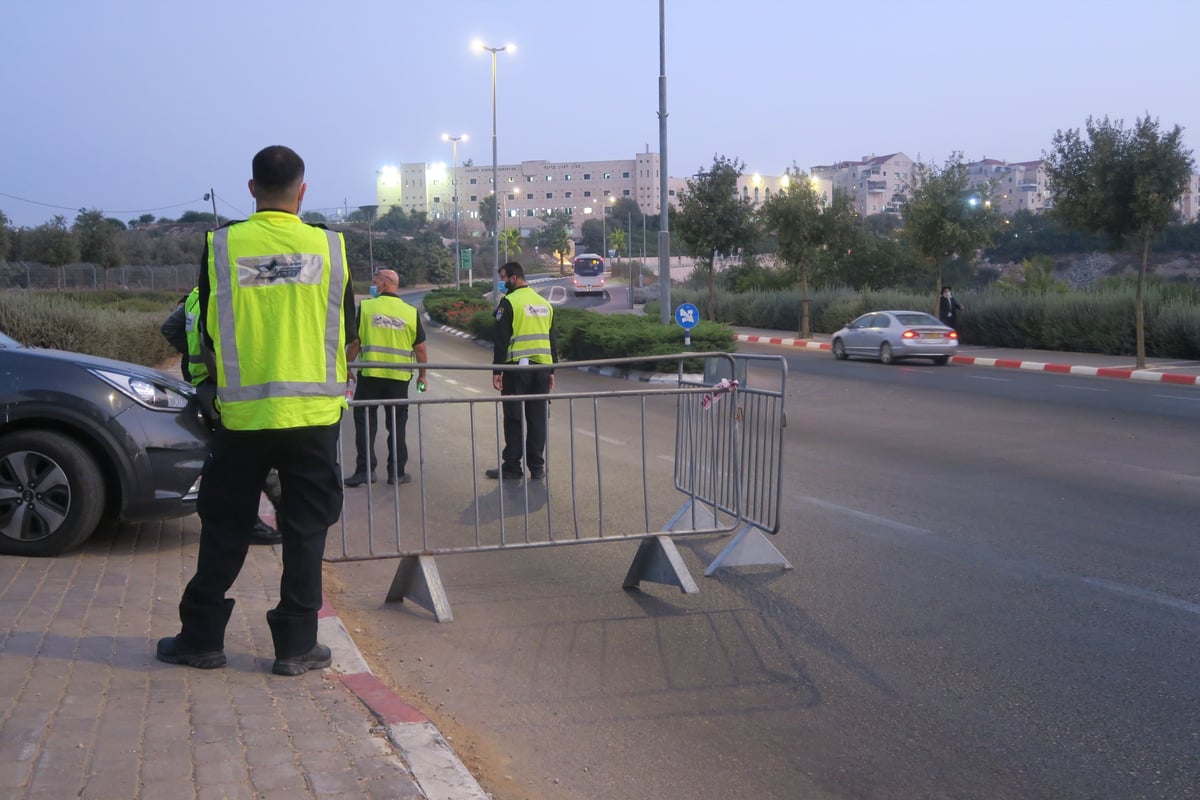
883 521
1080 388
1142 594
1176 397
605 439
989 378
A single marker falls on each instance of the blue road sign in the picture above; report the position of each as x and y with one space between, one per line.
686 316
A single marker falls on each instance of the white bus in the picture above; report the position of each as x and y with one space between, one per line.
589 274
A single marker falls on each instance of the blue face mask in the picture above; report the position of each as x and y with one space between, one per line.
374 290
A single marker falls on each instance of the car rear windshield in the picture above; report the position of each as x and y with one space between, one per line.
918 319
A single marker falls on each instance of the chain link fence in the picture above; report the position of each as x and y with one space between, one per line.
30 275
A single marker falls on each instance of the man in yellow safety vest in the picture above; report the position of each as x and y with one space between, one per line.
276 311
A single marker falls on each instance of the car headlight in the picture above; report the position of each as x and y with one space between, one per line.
150 393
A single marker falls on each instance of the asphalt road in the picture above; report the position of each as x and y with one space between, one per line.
995 595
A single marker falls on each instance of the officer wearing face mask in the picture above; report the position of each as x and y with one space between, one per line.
524 336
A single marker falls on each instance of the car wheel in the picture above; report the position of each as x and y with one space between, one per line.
51 493
839 350
885 353
941 361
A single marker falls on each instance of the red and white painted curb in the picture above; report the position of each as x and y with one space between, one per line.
1033 366
436 768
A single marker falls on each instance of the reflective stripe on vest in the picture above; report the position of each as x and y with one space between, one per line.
387 331
252 395
532 318
197 369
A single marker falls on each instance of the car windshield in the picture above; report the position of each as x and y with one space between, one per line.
917 318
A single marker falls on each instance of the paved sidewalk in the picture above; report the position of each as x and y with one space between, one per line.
87 711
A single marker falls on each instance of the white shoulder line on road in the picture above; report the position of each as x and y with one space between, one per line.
1142 594
1176 397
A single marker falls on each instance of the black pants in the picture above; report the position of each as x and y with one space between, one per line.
310 501
531 429
394 417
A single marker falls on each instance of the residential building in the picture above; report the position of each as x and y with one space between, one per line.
875 184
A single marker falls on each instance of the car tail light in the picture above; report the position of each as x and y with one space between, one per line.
910 334
952 335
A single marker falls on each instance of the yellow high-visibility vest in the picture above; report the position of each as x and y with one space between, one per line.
387 331
275 315
197 369
532 318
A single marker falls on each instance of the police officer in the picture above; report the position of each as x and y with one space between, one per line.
276 311
181 331
524 335
389 331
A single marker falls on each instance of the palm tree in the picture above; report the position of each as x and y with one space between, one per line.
510 241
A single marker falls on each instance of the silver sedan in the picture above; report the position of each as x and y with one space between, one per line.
892 335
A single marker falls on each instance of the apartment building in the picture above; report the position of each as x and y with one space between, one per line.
532 188
875 184
1019 186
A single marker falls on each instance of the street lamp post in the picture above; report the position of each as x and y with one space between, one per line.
629 251
495 180
454 140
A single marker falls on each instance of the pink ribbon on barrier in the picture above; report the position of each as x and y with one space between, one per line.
714 396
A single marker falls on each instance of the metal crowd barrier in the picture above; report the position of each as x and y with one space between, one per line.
721 431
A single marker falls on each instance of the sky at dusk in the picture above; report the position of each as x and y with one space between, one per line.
142 106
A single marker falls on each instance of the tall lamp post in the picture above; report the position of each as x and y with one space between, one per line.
629 251
454 140
510 48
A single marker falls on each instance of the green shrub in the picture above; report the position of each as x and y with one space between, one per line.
90 322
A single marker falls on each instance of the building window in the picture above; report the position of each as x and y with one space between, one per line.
474 181
624 174
567 177
549 195
529 212
587 176
529 179
587 193
529 196
549 178
570 195
608 176
626 193
437 199
510 179
474 198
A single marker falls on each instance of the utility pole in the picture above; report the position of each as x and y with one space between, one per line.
212 195
664 235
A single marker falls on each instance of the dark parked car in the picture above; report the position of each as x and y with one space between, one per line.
86 441
893 335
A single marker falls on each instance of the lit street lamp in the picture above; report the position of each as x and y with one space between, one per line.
454 140
511 48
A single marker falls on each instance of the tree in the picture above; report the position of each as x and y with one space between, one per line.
616 241
806 225
947 217
314 217
395 220
713 218
487 213
52 243
556 235
510 242
97 238
1120 183
5 238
